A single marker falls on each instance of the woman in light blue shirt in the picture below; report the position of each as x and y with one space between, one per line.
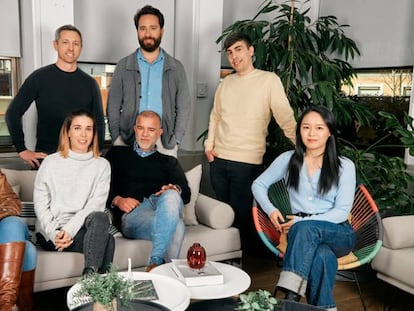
321 186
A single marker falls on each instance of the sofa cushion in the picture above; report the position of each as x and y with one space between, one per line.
23 178
215 242
193 178
398 232
396 263
213 213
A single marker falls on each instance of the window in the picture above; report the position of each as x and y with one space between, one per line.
8 88
369 90
406 90
392 82
102 73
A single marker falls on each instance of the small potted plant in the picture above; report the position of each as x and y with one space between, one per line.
105 290
257 300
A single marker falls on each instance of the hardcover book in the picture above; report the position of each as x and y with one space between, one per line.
209 275
144 289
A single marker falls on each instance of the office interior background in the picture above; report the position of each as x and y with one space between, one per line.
381 29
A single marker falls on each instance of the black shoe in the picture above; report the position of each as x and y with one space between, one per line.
292 296
87 271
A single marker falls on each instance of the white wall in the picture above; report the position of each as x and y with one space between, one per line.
9 40
382 29
198 24
108 29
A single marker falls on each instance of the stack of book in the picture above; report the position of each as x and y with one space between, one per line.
208 275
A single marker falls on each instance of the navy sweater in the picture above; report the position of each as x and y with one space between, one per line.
56 93
138 178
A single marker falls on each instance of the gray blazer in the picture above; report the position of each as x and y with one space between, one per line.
125 91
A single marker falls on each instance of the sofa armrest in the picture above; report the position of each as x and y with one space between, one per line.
213 213
398 232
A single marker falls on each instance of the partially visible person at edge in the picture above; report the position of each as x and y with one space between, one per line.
321 185
243 105
17 253
70 193
149 79
148 192
56 89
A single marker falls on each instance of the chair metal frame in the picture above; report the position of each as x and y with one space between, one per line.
364 219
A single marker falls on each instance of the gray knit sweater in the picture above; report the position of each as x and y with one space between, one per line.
67 190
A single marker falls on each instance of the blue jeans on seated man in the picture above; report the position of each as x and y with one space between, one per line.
310 262
158 219
13 229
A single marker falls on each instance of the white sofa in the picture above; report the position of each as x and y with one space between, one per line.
208 222
394 262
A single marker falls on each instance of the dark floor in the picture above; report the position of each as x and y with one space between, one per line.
264 272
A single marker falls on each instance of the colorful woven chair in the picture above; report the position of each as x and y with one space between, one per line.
364 218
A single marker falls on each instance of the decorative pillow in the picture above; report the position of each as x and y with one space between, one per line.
193 178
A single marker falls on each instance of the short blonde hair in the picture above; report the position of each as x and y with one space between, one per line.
64 141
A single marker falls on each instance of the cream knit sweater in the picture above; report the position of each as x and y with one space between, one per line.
242 109
67 190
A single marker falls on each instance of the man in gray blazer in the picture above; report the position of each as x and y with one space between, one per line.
149 79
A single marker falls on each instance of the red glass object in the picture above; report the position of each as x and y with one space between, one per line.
196 256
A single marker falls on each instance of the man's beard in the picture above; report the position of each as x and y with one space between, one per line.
150 47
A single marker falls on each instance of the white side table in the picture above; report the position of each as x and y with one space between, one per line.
236 281
171 293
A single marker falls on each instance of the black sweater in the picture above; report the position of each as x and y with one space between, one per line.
56 93
138 178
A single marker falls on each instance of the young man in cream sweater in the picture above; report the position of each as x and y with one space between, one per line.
243 105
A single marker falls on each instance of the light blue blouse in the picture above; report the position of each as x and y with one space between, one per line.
333 206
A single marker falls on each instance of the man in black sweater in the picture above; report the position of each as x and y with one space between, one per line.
57 89
148 191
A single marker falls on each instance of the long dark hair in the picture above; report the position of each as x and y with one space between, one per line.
331 158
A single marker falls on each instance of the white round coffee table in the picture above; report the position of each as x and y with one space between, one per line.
236 281
171 293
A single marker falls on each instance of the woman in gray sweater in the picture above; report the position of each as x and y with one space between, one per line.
70 192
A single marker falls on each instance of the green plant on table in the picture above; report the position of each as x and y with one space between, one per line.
104 288
257 300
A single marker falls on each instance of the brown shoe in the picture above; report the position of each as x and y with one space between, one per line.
25 298
150 267
11 258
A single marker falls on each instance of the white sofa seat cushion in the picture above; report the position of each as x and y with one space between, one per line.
215 242
398 232
396 264
137 250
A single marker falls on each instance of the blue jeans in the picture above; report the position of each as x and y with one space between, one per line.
232 182
13 229
158 219
310 263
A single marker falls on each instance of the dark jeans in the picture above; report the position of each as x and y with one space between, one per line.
93 240
232 183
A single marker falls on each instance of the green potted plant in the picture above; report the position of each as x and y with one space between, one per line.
105 290
260 300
